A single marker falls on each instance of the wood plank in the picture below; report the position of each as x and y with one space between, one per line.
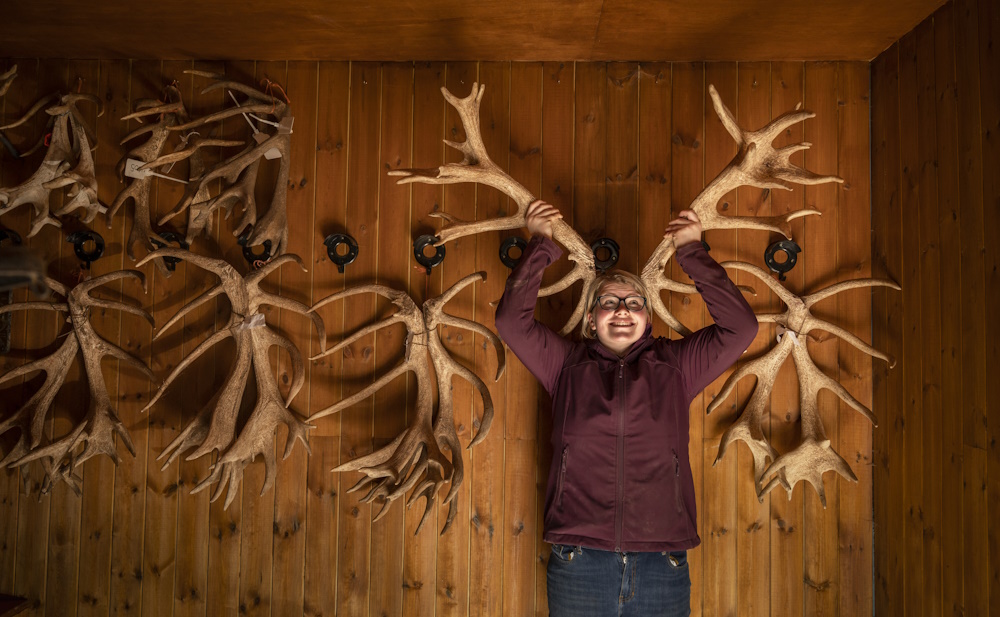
818 260
353 578
392 407
290 514
66 505
559 121
325 385
887 333
621 177
753 544
946 94
687 178
989 81
911 360
94 568
226 525
419 554
719 591
977 522
453 559
30 576
590 159
486 460
787 91
854 311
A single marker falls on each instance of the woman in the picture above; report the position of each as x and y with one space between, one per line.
620 505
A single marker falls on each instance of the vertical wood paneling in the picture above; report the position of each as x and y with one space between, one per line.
854 310
717 503
453 571
946 94
593 139
486 460
354 534
819 261
521 422
330 194
787 91
392 407
419 563
290 485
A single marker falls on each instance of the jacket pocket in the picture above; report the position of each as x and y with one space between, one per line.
562 476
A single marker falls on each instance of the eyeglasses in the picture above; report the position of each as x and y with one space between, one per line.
611 303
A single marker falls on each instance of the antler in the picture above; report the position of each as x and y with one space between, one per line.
100 426
416 458
813 456
476 166
239 173
82 179
138 189
214 428
7 79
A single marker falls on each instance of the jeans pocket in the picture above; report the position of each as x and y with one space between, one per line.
565 553
677 559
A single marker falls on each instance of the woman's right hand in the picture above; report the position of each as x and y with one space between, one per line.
540 216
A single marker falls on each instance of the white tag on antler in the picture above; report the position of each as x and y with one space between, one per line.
285 125
133 169
272 153
781 330
252 321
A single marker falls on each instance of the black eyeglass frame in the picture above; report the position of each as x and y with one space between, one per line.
597 302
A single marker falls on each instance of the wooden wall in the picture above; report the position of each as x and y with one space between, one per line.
935 207
618 147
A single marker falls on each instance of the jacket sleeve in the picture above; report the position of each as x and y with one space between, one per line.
707 353
541 350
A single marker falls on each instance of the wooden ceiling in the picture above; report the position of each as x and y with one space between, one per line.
519 30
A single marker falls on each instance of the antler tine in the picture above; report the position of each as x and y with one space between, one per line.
343 404
219 267
27 306
783 294
273 339
480 329
180 155
7 79
436 305
261 273
398 298
813 380
42 103
388 321
836 288
812 323
257 108
726 117
194 355
152 108
295 306
187 308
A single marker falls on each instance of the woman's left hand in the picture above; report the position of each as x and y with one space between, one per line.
684 229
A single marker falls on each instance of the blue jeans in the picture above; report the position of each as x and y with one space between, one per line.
586 582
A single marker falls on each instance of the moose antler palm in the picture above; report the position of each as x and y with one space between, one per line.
239 172
814 455
100 426
416 458
214 427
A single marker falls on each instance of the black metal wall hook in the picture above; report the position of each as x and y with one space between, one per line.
333 241
169 236
256 260
79 239
9 234
609 245
418 251
791 251
509 243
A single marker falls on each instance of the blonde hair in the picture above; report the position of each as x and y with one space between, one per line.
611 276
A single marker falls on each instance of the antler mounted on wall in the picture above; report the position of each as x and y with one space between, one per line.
100 426
427 454
67 162
814 455
239 172
214 428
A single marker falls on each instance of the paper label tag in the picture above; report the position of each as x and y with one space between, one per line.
285 126
132 169
252 321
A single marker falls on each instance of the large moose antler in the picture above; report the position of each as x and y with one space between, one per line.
417 457
214 428
756 163
100 426
239 172
813 456
138 188
68 162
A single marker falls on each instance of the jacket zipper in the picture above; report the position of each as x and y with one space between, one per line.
562 474
620 501
677 484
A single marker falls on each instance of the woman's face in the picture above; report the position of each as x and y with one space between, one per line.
620 328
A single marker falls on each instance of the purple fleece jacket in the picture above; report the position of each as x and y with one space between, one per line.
621 476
